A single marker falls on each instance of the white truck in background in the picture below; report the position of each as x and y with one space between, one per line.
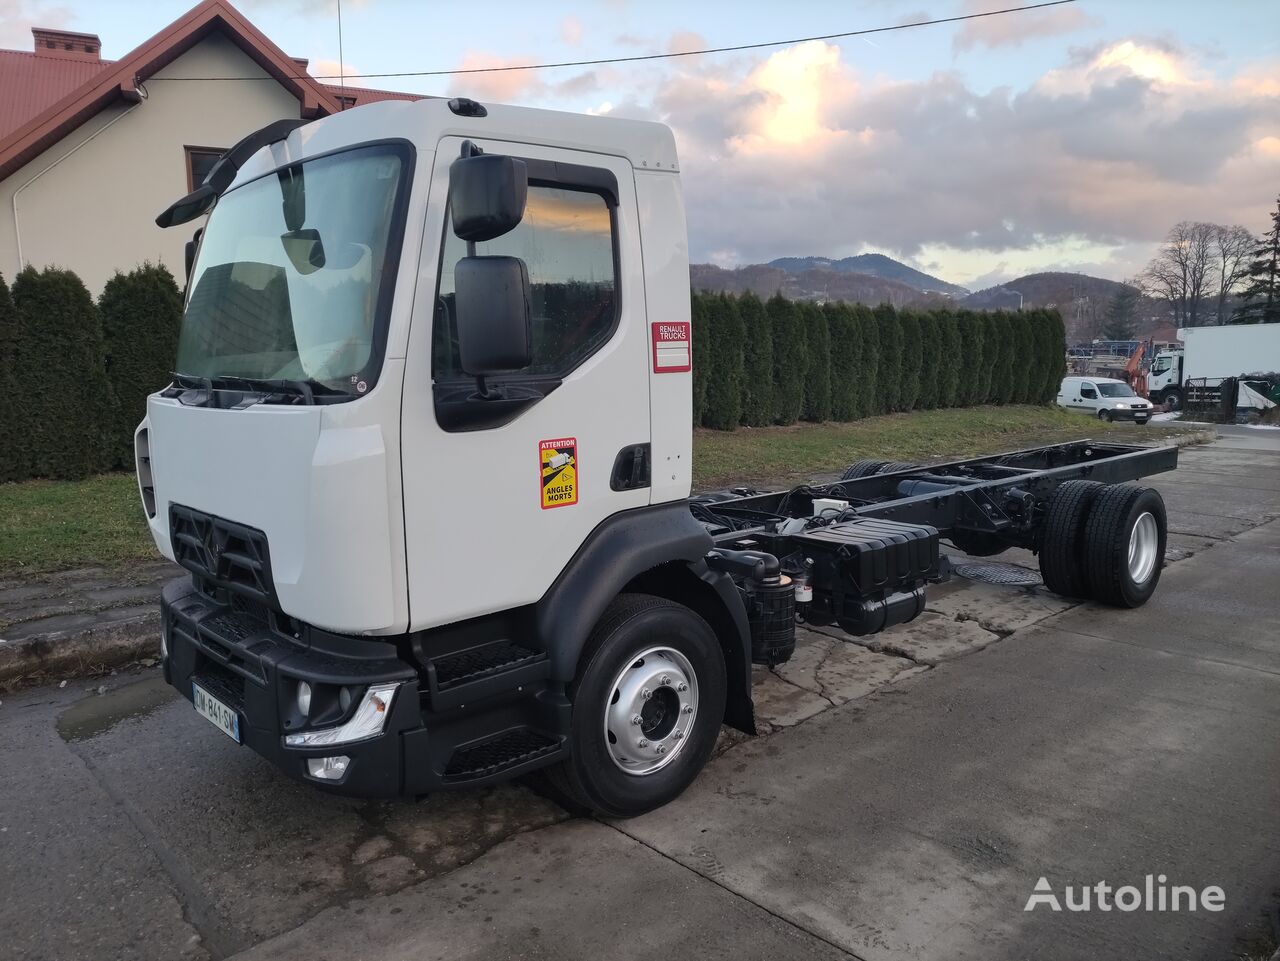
1207 355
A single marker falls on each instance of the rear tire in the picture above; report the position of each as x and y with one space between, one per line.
640 642
862 468
894 466
1125 539
1062 547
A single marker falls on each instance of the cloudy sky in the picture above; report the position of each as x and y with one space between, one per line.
1067 138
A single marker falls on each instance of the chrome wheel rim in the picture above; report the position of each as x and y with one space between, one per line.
653 704
1144 546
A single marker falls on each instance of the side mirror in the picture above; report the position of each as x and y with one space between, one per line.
487 195
491 297
189 252
199 201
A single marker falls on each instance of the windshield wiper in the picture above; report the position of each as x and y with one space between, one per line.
300 388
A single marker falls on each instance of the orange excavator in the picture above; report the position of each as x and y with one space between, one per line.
1135 373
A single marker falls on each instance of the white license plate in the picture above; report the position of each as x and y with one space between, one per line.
219 715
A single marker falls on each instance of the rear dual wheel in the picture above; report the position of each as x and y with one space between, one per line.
862 468
1104 542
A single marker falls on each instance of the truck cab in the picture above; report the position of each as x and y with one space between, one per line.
345 462
1164 381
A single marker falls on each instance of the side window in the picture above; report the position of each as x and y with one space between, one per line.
1087 390
567 241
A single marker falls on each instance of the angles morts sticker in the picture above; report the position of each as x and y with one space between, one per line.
558 461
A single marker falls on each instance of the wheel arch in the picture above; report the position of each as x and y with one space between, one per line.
713 597
657 550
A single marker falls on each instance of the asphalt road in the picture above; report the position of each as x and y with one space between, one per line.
905 805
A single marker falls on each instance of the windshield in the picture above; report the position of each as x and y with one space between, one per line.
1116 390
294 273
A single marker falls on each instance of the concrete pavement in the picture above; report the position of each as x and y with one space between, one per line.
911 794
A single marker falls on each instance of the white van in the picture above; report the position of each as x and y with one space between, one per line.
1109 399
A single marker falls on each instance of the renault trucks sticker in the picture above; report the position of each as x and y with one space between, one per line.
558 461
672 346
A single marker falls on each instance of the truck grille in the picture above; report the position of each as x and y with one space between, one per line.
223 553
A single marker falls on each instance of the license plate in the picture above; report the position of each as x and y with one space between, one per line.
218 714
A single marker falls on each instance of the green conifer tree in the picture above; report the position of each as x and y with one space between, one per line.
67 402
817 381
757 401
724 378
789 359
141 313
889 369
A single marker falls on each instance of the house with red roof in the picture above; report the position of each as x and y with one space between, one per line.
92 149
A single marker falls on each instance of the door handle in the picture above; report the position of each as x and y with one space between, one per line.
630 468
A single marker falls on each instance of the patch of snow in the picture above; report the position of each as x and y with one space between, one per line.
1263 426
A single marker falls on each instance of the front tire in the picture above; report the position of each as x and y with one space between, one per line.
1104 416
647 705
1173 400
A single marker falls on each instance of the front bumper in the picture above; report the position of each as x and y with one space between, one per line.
463 714
1140 416
252 660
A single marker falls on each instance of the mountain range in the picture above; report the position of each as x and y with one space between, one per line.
874 279
877 265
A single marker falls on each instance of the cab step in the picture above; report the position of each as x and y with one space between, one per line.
510 752
461 677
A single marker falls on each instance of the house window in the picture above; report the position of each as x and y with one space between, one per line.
200 161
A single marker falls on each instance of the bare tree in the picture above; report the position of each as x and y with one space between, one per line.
1181 271
1232 247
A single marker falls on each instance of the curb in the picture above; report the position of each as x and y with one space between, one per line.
70 653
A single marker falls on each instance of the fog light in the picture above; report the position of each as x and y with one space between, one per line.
304 698
368 721
328 768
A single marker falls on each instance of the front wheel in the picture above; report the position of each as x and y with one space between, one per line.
1104 416
1173 399
647 705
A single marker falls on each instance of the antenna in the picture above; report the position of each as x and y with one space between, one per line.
342 68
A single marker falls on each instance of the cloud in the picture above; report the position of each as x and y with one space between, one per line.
322 8
530 87
796 152
571 30
331 70
17 17
1014 28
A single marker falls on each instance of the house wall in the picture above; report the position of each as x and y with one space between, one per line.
94 210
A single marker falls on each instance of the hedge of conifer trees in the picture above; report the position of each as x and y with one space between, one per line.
74 375
782 361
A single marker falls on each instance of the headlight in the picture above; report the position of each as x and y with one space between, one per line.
1122 406
368 721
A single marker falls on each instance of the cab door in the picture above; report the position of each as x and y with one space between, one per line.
1088 395
498 497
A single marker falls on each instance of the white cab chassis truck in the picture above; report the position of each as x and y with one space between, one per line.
426 458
